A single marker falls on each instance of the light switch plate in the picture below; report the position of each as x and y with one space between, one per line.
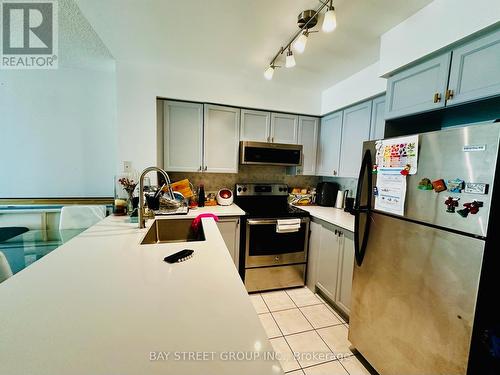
127 166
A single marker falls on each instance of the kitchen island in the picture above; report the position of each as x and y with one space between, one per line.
104 304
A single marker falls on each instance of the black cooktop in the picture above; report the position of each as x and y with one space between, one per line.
266 200
273 212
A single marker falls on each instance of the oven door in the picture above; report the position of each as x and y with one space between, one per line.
265 247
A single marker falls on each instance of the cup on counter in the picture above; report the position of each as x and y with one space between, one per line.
349 204
120 207
153 202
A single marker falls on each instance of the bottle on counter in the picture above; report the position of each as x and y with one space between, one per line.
201 196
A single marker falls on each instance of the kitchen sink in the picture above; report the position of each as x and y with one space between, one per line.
172 230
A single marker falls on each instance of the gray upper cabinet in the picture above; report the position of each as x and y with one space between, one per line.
221 139
418 89
261 126
330 138
355 130
284 128
308 138
183 136
475 70
255 126
377 127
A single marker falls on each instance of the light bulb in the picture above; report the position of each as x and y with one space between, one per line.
290 59
330 20
300 44
268 74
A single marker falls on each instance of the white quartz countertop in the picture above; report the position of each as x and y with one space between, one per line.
101 303
332 215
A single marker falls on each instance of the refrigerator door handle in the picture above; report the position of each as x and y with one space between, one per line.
364 177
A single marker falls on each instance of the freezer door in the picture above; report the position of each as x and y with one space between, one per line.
448 154
413 298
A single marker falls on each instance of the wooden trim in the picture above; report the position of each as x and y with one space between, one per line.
56 201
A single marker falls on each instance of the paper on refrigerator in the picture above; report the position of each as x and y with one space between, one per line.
391 192
395 154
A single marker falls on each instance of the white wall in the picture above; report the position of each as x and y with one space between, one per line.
138 86
364 84
57 127
435 26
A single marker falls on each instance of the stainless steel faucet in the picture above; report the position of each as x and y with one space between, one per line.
142 221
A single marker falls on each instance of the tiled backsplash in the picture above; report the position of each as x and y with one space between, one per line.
344 183
246 173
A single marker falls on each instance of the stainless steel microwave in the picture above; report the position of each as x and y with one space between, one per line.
264 153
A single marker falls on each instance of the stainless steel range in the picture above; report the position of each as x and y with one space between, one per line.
274 238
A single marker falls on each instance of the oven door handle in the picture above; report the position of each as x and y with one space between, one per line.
261 221
269 221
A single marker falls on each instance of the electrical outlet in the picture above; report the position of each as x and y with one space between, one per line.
127 166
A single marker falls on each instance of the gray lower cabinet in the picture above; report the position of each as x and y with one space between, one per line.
418 89
346 269
355 130
475 70
313 254
377 128
229 228
330 138
328 261
331 263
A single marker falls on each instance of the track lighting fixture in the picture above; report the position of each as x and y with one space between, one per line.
300 44
290 60
330 19
306 21
268 74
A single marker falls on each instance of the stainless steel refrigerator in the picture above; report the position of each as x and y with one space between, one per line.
417 276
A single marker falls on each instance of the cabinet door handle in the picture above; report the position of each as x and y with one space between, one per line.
437 97
206 168
334 172
449 94
200 168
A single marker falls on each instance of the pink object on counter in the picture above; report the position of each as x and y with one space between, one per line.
197 221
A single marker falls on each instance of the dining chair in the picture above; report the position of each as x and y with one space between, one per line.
5 270
80 217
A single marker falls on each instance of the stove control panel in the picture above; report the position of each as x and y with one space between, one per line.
261 189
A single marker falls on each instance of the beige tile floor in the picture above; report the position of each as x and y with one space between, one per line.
309 335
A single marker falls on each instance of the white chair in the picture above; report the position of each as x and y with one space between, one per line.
5 271
80 217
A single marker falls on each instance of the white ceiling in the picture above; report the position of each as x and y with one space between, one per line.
239 37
